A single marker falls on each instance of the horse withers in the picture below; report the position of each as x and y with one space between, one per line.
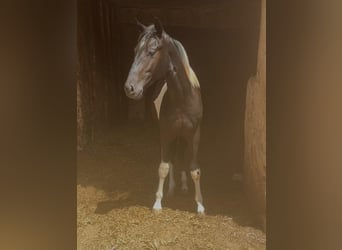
162 61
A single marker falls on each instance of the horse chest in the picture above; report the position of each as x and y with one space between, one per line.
181 122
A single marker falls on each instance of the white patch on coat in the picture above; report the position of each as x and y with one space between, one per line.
188 70
159 99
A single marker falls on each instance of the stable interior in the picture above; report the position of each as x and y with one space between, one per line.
221 40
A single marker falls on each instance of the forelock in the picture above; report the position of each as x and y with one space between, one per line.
145 37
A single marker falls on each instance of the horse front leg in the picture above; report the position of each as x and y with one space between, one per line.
163 171
164 168
195 174
195 171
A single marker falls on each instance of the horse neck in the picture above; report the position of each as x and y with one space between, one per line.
178 84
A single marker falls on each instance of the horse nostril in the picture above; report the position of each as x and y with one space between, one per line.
129 88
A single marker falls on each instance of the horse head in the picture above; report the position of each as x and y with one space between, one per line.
150 63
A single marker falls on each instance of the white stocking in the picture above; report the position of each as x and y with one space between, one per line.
195 174
163 172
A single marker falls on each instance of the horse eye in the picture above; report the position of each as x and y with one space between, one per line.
150 53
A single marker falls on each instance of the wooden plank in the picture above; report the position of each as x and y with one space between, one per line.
255 132
178 3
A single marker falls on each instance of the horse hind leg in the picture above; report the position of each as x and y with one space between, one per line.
173 162
184 183
172 183
180 162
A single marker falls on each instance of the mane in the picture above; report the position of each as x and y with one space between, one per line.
185 60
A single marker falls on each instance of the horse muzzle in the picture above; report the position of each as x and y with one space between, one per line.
133 92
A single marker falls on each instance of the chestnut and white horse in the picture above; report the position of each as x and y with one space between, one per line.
162 61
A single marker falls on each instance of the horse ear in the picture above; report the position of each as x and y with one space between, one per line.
143 27
159 27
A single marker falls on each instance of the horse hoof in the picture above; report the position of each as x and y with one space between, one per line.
157 211
200 208
157 206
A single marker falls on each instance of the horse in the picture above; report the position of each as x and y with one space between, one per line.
162 62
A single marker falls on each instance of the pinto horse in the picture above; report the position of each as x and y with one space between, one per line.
162 61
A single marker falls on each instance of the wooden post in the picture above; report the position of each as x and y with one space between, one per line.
255 131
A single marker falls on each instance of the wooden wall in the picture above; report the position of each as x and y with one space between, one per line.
100 98
255 131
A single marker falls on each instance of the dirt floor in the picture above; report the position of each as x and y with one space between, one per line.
117 180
